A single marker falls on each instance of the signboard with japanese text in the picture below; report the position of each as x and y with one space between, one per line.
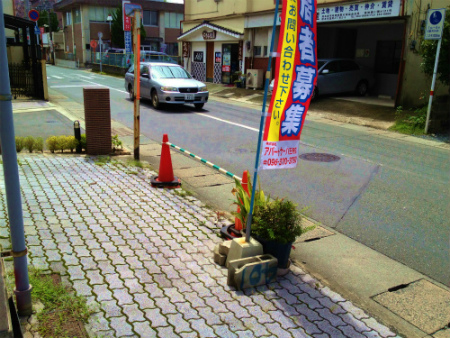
198 56
296 76
126 19
217 57
128 42
186 49
435 24
359 11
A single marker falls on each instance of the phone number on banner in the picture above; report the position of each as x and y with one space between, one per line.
279 154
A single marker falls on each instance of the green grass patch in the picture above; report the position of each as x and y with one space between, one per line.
102 160
137 163
410 122
61 307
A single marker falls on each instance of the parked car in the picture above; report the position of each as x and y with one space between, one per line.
167 83
340 76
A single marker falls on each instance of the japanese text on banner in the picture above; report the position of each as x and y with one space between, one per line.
296 75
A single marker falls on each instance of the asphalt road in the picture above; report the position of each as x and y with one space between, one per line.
388 194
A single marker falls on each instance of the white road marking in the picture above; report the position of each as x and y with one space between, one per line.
86 77
69 86
229 122
98 84
57 77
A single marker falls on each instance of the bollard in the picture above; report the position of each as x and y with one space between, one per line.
77 132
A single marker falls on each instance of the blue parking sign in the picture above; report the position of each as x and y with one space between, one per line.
128 42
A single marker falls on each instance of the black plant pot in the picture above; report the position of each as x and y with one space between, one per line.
280 251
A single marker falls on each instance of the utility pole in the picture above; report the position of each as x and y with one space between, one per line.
134 11
12 184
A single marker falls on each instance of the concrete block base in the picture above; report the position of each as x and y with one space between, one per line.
218 257
239 248
224 247
252 271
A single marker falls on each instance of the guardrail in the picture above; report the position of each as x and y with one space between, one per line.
126 60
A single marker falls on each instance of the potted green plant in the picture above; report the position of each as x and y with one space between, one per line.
238 79
276 225
243 199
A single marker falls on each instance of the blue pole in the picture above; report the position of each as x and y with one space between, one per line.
12 185
261 128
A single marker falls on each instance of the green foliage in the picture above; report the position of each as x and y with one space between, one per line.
243 200
60 304
428 52
278 220
39 144
62 142
102 160
52 143
71 143
43 20
83 142
28 142
117 29
116 143
19 144
411 122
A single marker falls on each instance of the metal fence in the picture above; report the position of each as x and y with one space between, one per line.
126 60
26 80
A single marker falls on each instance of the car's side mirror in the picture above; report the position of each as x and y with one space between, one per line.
325 71
145 75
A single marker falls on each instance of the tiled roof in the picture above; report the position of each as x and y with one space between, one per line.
218 28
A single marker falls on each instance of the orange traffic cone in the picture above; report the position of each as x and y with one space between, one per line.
165 179
237 222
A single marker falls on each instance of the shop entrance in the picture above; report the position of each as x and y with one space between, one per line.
230 61
210 62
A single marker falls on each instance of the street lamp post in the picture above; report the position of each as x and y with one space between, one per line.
109 19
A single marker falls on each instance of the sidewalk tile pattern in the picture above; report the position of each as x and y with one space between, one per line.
143 257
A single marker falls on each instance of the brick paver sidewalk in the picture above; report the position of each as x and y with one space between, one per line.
143 257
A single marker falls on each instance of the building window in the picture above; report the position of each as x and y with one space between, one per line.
150 18
265 51
99 13
172 20
257 51
77 18
68 18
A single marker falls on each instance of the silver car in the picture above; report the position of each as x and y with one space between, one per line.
340 76
167 83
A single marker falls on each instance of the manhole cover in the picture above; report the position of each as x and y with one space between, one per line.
319 157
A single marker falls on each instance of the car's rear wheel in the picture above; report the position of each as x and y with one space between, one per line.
199 106
130 93
155 99
362 88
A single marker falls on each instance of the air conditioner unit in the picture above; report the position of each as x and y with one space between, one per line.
254 78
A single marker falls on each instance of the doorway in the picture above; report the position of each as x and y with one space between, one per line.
210 62
230 61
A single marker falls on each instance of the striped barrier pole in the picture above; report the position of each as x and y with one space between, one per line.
204 161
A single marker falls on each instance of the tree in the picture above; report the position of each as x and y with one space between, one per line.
117 29
43 20
428 52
